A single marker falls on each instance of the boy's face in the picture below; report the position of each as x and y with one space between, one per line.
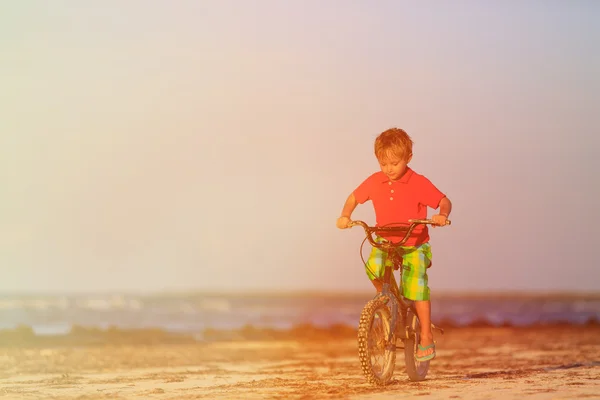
393 166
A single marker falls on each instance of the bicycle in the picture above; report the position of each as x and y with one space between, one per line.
396 314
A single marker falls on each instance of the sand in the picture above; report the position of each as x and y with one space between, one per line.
560 362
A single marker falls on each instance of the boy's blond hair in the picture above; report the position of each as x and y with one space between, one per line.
393 142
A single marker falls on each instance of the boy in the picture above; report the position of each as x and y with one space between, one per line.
399 194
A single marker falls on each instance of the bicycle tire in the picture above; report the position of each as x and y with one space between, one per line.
416 370
373 308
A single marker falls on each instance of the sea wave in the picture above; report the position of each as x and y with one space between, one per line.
25 336
193 313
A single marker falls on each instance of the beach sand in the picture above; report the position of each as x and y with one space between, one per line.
554 362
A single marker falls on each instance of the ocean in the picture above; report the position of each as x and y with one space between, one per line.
195 312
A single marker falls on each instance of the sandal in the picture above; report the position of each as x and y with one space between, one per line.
428 356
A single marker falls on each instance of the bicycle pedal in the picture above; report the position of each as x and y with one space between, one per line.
437 328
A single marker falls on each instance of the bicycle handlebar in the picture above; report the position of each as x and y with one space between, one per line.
369 230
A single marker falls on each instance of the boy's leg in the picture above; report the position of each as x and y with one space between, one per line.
375 267
415 287
424 313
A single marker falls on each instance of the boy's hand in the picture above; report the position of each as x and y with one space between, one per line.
439 219
342 222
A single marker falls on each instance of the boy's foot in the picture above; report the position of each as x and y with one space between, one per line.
425 353
425 349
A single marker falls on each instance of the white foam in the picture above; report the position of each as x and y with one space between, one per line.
220 305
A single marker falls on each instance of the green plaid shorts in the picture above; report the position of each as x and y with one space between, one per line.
415 261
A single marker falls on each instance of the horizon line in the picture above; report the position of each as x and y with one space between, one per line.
302 292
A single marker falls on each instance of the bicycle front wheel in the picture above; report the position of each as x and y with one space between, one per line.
377 359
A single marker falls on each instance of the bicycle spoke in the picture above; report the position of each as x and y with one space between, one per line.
378 343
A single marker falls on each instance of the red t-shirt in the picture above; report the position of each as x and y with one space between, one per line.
397 202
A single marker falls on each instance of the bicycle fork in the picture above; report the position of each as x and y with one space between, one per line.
395 322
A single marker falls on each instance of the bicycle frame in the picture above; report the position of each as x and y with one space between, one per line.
398 303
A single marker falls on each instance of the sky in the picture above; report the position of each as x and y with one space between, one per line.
210 145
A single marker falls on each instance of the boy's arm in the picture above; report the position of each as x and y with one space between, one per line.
445 207
349 206
445 210
358 196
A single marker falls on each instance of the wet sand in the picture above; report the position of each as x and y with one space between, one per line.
559 362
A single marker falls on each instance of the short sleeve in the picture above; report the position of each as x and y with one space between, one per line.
430 195
363 192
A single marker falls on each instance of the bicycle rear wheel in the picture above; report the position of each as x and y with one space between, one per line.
376 358
416 370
